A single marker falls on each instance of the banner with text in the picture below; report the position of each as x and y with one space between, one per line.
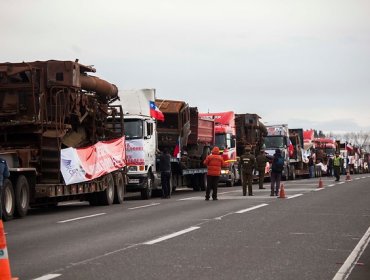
84 164
135 152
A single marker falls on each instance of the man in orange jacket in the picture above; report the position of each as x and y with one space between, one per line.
214 163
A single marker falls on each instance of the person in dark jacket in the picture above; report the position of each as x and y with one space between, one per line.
247 164
165 168
261 160
276 171
214 163
4 173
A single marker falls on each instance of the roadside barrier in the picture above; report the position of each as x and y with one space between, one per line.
5 273
282 192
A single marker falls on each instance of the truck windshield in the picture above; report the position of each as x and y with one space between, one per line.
133 129
221 141
274 142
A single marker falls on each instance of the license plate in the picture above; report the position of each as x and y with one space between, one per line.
133 181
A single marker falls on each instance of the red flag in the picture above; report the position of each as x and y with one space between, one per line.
155 112
176 151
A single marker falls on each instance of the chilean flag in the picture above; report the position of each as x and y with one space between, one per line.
155 112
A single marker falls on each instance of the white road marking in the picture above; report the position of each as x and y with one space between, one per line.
318 189
191 198
352 259
340 183
358 178
80 218
172 235
144 206
295 195
251 208
363 177
48 277
229 192
331 185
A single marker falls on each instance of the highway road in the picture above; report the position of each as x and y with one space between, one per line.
313 233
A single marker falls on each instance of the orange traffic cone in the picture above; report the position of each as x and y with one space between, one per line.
4 261
321 185
348 176
282 192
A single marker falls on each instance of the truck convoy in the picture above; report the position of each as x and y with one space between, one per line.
226 141
60 136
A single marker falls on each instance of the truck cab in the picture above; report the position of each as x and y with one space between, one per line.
141 141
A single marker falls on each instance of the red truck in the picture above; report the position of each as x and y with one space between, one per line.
226 141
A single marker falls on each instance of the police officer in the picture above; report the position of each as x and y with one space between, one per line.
4 173
336 166
261 160
247 163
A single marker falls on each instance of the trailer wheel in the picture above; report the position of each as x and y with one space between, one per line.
22 196
119 189
292 172
203 181
146 193
107 196
8 200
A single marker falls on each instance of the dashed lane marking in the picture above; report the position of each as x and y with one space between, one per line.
143 206
172 235
294 196
80 218
48 277
251 208
340 183
331 185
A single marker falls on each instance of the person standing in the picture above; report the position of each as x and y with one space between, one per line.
337 161
247 163
276 171
214 163
329 171
261 160
4 173
311 167
165 168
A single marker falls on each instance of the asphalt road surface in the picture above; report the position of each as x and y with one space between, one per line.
313 233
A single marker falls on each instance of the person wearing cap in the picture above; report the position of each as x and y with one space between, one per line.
214 163
247 163
261 160
336 166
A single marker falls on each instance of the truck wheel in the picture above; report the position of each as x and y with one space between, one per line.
231 182
146 193
22 196
8 200
203 181
119 188
107 196
292 171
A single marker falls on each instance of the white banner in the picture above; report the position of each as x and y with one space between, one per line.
135 154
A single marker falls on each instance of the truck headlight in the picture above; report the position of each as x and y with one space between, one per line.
132 168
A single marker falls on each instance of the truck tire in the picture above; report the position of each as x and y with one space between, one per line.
119 188
8 200
231 182
146 193
292 172
107 196
22 196
203 181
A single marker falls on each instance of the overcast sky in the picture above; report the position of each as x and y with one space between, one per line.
301 62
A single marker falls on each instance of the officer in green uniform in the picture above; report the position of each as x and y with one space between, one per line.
261 160
247 163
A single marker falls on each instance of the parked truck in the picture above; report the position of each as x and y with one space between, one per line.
189 138
226 141
250 131
141 141
290 142
52 114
